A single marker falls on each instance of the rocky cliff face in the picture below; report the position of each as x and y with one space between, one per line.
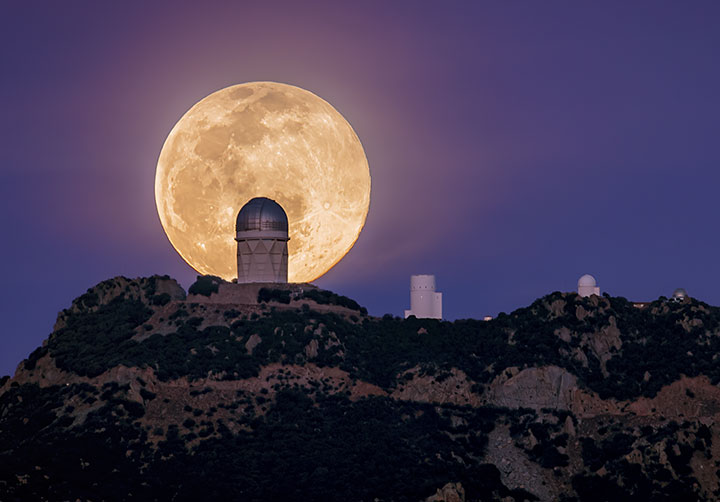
253 393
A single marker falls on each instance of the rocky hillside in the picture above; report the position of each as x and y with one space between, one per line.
249 392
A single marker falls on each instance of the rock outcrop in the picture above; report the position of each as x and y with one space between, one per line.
537 388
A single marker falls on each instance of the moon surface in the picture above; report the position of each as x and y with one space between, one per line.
262 139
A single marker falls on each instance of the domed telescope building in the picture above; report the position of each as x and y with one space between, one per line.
679 295
262 237
587 286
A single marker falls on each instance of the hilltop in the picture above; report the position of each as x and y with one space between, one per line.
270 392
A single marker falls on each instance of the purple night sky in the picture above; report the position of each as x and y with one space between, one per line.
513 146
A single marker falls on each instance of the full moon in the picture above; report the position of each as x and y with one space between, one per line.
262 139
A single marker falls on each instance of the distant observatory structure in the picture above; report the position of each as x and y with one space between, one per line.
262 237
424 301
587 286
679 295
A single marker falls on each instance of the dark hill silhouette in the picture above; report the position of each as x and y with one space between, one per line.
260 392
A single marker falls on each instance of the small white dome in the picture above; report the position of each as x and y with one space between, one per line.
680 293
587 280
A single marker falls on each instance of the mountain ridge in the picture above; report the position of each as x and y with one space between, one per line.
569 398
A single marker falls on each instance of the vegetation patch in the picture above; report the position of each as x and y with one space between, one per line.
273 295
205 285
331 449
324 297
683 338
93 341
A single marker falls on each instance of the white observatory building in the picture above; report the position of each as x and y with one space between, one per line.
262 237
587 286
679 295
424 301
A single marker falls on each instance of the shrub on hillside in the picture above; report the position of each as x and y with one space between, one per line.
92 342
273 295
324 297
161 299
205 285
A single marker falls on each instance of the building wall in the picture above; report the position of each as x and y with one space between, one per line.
424 301
588 290
437 306
262 257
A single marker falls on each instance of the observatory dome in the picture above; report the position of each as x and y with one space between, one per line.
261 214
587 280
680 294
